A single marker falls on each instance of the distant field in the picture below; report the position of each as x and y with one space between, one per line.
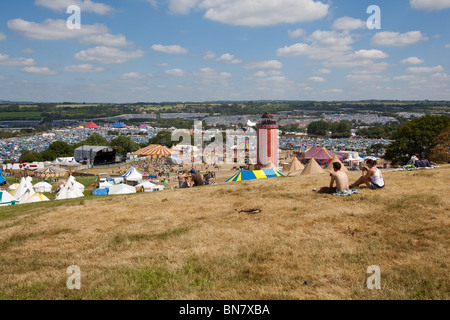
20 115
76 105
199 244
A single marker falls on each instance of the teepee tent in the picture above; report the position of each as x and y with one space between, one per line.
7 199
312 168
23 187
71 182
330 166
37 197
42 186
296 165
69 193
12 188
29 192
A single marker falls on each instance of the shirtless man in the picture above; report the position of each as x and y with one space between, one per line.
339 177
373 179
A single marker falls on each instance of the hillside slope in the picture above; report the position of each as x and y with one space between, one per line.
196 244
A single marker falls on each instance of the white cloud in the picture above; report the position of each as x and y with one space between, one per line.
412 60
322 71
175 72
57 30
260 74
425 69
229 58
316 79
369 67
133 75
371 54
107 39
397 39
347 23
441 76
277 79
5 60
324 45
275 72
447 46
254 12
164 64
2 36
174 49
293 50
271 64
430 5
209 55
373 78
85 5
334 91
29 51
53 29
83 68
406 78
297 33
41 71
211 75
108 55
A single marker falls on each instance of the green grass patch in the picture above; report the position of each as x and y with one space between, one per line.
30 115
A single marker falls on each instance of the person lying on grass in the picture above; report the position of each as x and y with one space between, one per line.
373 179
339 177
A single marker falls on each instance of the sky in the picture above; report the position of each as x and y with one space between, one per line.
208 50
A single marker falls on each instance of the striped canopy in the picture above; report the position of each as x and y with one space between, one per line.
257 174
322 156
311 151
154 150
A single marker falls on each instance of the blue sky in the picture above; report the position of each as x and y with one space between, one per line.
200 50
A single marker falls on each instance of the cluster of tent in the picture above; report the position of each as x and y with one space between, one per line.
297 168
23 192
115 186
70 190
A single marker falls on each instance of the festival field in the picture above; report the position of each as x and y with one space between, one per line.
261 239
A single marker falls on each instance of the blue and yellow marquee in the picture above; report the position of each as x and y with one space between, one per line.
257 174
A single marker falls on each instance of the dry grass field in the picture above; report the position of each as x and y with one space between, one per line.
197 244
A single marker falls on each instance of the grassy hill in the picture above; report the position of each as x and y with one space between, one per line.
196 244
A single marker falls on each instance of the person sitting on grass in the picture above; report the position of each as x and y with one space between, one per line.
339 177
422 162
196 179
373 179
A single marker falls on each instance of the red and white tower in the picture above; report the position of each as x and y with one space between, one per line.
267 141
